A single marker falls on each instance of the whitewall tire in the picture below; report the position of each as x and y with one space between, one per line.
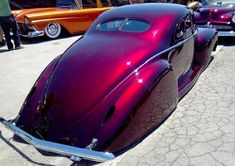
53 30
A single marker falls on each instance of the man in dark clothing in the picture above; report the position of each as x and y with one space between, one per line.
7 22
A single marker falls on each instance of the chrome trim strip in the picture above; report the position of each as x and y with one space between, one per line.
171 48
226 33
56 147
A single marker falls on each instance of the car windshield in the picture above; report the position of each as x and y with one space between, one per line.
66 3
217 2
126 25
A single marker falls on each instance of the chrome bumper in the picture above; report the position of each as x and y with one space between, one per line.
73 152
32 34
226 33
220 32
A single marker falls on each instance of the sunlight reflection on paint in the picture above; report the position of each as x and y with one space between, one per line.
155 33
140 81
128 63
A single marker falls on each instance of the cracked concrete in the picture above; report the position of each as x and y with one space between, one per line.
201 131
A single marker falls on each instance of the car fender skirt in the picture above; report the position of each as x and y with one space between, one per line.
145 107
56 147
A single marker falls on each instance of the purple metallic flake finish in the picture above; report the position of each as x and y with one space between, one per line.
117 86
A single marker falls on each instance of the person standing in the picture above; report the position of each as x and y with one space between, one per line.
7 22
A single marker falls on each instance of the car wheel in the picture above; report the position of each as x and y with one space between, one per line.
53 30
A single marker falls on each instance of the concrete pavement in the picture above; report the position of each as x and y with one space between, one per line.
201 131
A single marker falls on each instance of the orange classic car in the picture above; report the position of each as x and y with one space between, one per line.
73 16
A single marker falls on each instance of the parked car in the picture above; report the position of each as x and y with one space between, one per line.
29 4
117 83
71 15
218 14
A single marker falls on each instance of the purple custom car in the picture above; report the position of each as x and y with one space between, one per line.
218 14
117 83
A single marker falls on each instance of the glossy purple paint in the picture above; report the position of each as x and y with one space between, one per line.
117 86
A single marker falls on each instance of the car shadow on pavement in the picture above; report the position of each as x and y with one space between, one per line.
226 41
3 50
20 152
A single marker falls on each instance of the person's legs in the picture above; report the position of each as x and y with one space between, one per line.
15 30
6 29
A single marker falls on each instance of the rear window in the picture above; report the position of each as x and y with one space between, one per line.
111 25
135 26
126 25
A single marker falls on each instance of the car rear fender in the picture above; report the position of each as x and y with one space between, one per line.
206 42
151 90
36 95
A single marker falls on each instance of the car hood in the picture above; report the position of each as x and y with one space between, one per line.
56 12
219 13
83 78
20 14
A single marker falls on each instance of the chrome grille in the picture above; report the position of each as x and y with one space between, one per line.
23 28
218 27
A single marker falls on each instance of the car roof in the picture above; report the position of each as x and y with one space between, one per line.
147 11
162 17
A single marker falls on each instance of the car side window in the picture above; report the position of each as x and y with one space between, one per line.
184 28
189 25
188 22
179 33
